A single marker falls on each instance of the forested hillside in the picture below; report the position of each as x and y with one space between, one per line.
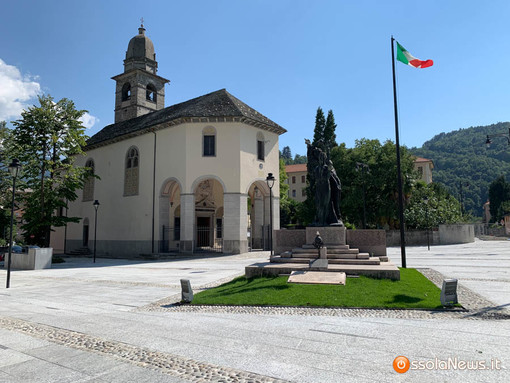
462 156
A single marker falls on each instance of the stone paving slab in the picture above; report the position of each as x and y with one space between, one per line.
317 277
114 304
169 364
486 260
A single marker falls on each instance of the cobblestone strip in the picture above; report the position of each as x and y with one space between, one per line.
477 307
174 365
172 299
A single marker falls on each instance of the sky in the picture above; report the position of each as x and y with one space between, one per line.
284 58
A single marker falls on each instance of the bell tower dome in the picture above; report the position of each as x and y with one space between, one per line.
139 90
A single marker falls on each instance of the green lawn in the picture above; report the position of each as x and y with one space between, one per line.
412 291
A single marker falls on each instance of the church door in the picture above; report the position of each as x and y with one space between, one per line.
85 235
203 231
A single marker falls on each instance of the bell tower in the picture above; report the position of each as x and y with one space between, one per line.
139 90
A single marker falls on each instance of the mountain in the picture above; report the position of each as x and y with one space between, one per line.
462 156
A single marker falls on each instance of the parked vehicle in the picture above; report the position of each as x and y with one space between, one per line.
25 248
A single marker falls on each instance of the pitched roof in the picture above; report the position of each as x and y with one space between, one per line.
219 106
421 159
295 168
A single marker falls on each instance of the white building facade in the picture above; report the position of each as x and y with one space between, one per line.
185 178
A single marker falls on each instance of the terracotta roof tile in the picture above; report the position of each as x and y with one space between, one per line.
295 168
219 104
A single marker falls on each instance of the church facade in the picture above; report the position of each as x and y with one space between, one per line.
187 177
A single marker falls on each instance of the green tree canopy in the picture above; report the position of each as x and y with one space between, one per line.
431 205
286 154
320 124
380 182
329 131
499 193
462 156
46 140
5 184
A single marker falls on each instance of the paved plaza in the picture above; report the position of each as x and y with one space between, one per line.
114 321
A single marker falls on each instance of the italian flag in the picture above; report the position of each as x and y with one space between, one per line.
405 57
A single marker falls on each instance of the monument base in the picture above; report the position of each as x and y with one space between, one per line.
331 235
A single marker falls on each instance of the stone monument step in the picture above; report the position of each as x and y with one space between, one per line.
330 247
344 261
300 250
331 256
384 270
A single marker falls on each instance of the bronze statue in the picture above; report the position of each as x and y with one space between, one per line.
325 187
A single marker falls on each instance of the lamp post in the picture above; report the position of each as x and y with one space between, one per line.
364 168
488 142
96 206
461 184
426 200
270 183
14 169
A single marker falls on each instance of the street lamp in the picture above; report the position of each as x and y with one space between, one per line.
14 169
488 141
466 184
426 201
270 183
364 168
96 206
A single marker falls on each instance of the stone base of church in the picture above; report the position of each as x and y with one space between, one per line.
110 249
133 249
185 246
235 246
257 243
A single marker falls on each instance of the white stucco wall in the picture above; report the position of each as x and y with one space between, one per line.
179 157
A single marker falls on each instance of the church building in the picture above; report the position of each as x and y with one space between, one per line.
189 177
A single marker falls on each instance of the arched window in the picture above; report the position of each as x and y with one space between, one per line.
261 149
209 142
151 93
88 186
131 172
126 91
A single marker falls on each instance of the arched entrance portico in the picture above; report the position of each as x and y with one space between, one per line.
258 216
208 233
85 236
170 215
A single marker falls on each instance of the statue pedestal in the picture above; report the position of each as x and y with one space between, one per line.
331 235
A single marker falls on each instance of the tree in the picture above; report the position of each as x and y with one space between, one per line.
380 184
318 132
285 201
299 159
431 205
286 154
46 140
462 156
284 187
5 184
329 131
499 193
324 133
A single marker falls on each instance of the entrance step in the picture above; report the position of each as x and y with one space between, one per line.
299 250
80 251
330 247
384 270
312 255
344 261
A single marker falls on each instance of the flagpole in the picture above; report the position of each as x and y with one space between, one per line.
399 173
